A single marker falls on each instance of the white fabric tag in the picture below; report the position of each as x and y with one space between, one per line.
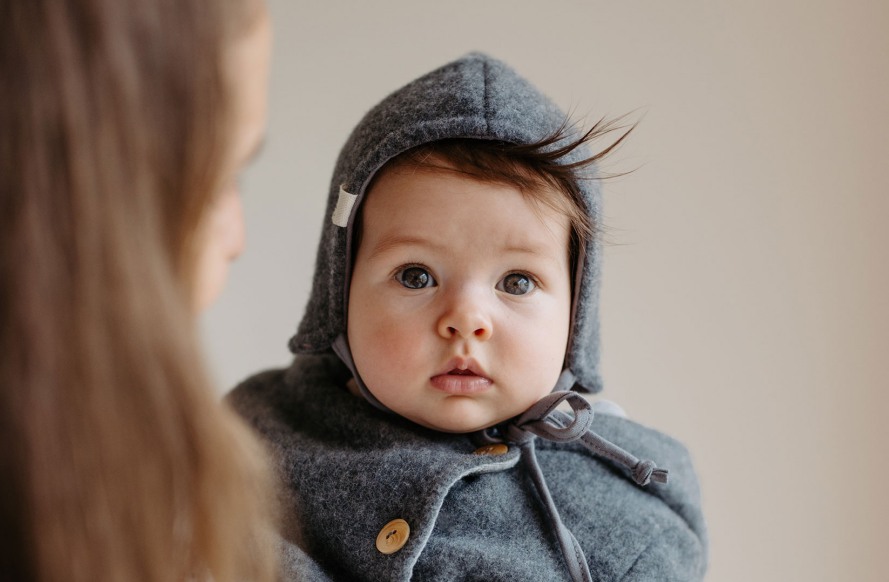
343 210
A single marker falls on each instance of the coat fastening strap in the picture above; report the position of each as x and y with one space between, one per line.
543 420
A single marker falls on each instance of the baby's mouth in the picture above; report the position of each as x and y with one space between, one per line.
460 382
463 366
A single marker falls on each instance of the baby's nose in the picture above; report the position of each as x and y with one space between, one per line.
481 333
465 320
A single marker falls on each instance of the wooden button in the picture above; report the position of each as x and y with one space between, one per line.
495 449
393 536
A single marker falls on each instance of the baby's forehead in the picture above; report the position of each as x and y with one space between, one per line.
546 199
441 208
437 175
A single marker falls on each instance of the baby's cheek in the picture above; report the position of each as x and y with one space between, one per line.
536 364
393 346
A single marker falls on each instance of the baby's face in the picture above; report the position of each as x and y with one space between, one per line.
460 299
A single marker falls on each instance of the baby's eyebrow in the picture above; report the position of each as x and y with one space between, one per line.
394 241
387 243
522 250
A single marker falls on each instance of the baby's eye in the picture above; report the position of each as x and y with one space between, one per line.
415 278
516 284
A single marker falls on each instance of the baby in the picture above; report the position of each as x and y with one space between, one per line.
454 308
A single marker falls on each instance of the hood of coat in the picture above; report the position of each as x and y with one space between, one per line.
475 97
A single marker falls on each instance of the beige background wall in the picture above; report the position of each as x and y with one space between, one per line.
745 300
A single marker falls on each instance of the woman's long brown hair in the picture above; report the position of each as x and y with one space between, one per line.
116 460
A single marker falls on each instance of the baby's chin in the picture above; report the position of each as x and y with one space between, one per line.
454 424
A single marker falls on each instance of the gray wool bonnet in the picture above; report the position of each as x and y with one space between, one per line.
473 97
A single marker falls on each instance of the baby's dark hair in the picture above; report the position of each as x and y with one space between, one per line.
529 167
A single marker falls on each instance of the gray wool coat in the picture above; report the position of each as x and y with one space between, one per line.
348 469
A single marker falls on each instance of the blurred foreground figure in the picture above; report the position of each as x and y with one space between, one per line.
123 126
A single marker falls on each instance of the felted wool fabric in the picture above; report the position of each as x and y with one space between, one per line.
474 97
347 469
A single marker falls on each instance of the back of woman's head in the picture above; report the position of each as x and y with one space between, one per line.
117 462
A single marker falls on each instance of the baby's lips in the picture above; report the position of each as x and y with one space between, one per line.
461 366
460 384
